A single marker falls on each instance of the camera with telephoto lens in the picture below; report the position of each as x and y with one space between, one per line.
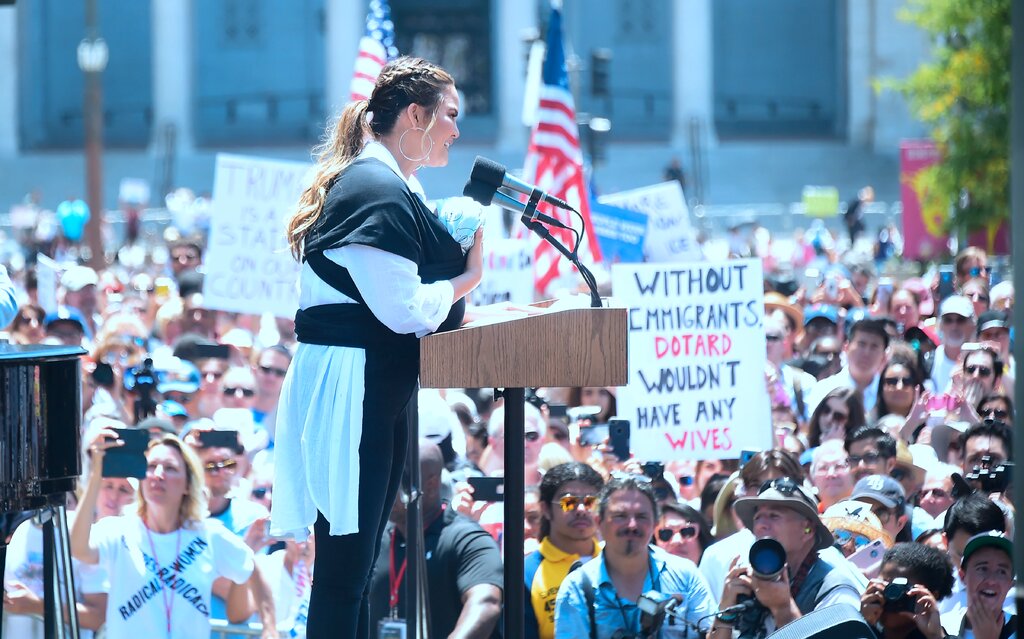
897 596
767 560
991 479
141 382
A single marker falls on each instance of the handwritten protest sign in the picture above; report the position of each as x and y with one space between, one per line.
248 266
508 273
670 237
697 359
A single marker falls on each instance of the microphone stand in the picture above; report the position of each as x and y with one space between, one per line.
529 218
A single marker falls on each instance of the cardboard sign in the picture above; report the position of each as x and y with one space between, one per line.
248 266
620 231
508 273
47 276
669 238
697 359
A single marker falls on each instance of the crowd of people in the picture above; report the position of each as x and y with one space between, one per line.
887 487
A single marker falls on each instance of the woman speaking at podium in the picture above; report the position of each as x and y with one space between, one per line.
379 271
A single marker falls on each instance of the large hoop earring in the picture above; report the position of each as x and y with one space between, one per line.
426 155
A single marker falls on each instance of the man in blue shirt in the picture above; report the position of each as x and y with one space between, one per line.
599 599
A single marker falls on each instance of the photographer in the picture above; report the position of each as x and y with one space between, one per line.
783 511
607 598
903 602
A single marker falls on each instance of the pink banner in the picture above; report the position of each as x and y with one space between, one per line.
923 234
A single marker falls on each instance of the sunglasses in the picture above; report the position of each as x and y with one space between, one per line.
570 503
897 381
178 397
259 493
216 467
983 371
978 271
837 416
784 485
995 413
280 372
686 532
844 537
231 391
531 435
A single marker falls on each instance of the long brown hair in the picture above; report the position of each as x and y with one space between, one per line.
401 82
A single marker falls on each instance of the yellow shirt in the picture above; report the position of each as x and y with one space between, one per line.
553 569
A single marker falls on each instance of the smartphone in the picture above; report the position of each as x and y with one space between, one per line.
557 410
593 435
869 557
884 293
946 275
212 351
487 488
832 287
128 460
219 439
618 437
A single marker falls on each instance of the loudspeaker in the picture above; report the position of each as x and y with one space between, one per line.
835 621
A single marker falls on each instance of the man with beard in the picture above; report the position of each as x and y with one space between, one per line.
568 501
599 599
956 325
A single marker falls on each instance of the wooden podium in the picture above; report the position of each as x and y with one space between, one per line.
575 347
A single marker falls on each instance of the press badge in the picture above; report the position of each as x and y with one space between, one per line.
391 629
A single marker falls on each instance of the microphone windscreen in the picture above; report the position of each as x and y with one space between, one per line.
487 171
479 191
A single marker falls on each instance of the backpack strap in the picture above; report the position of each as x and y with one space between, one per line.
1009 627
531 565
588 596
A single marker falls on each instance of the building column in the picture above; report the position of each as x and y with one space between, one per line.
692 88
9 81
514 17
860 52
173 84
346 23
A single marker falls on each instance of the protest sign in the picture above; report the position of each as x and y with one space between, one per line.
248 266
620 231
697 359
47 276
670 237
924 235
508 273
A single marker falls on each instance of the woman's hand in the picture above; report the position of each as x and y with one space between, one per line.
256 536
105 438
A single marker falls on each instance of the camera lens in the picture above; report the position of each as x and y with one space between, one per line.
767 558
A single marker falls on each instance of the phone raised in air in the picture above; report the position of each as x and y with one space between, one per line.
618 438
128 460
487 488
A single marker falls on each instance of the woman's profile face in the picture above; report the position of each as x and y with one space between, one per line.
445 129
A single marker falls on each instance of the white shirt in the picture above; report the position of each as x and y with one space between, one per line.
320 413
942 370
151 572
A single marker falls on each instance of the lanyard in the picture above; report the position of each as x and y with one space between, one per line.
168 597
395 579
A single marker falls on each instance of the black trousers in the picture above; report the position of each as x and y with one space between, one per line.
339 606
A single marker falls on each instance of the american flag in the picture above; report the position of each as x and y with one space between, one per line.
554 163
376 49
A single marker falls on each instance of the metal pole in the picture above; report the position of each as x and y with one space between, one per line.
1017 249
93 112
515 490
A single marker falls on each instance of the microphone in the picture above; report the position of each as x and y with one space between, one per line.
490 172
488 194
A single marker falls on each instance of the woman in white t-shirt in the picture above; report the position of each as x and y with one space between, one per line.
162 560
